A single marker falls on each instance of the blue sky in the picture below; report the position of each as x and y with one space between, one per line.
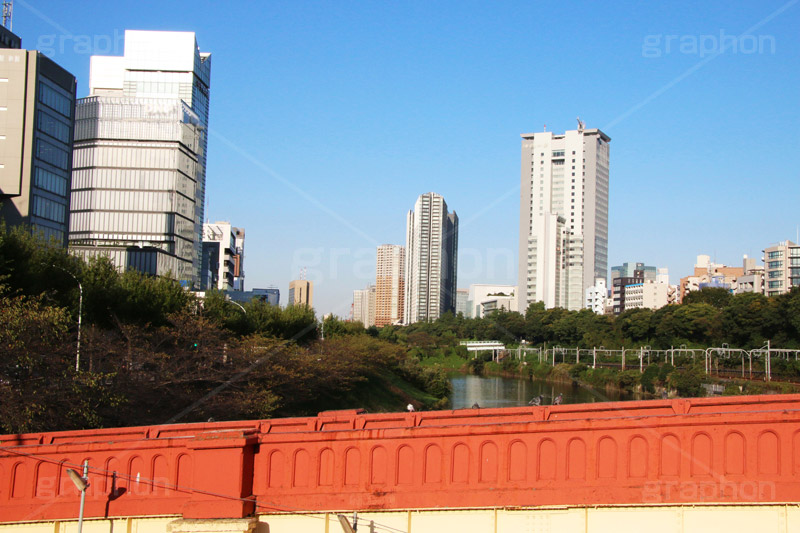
328 119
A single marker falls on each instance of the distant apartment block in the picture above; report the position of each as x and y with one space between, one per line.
364 306
635 274
431 260
563 227
781 268
597 296
711 275
753 278
496 296
462 302
301 292
221 256
648 295
140 156
37 117
390 285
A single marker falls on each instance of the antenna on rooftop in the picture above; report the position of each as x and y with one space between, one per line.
581 125
303 273
8 8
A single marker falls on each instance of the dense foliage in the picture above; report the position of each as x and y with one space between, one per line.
151 353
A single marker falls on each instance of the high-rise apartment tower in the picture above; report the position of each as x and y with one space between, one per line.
563 222
390 285
431 259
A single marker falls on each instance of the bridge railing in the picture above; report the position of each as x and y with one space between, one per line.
736 449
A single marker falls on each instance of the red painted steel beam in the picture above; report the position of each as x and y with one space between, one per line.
738 450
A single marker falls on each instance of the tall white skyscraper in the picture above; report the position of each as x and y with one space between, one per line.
431 259
140 156
563 222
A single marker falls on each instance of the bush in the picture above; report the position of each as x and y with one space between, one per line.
628 380
648 378
476 366
688 383
664 372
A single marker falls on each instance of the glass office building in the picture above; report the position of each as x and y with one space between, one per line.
140 156
37 106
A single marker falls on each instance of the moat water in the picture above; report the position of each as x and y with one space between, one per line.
496 391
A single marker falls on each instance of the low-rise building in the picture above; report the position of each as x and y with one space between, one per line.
479 293
709 275
597 296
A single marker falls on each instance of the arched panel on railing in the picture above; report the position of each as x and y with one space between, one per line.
670 455
136 471
769 453
702 458
19 480
161 483
638 457
352 467
432 465
576 459
517 461
795 454
327 463
301 473
607 458
459 468
113 469
404 471
735 454
46 481
490 462
184 475
277 470
379 466
547 460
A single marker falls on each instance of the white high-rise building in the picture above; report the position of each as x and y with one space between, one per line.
431 259
563 228
364 306
138 183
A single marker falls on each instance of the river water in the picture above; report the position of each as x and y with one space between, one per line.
496 391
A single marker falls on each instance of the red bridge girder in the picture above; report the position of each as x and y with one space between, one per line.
742 449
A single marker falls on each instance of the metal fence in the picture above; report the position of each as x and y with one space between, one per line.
632 358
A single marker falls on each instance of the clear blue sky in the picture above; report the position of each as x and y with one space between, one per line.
328 119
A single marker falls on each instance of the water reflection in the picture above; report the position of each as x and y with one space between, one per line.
495 391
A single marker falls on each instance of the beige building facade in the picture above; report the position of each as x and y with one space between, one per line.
390 284
301 292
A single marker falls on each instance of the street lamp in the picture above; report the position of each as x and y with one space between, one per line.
80 314
81 483
239 306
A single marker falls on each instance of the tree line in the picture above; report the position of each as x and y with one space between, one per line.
151 353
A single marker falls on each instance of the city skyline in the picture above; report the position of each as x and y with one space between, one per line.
692 168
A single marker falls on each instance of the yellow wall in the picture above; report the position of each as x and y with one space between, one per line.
652 519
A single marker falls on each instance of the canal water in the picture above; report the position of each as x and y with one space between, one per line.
496 391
